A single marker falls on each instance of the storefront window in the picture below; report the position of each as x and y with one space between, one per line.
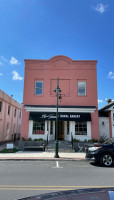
51 128
38 127
68 132
80 128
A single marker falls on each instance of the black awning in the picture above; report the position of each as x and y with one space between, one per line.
61 116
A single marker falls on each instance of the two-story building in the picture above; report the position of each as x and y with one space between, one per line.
78 108
10 118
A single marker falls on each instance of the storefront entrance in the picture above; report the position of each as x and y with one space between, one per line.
61 130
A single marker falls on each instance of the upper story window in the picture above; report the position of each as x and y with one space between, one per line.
15 113
8 110
20 114
81 88
0 106
39 87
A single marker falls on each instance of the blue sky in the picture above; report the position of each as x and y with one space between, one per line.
41 29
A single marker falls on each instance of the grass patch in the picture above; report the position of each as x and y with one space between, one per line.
14 150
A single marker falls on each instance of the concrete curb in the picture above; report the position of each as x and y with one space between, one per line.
42 159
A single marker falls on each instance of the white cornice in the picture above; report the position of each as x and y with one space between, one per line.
70 110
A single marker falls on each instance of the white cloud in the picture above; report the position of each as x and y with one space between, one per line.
1 63
111 75
16 76
4 59
14 61
101 8
100 101
1 74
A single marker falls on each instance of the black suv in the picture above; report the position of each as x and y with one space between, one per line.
103 153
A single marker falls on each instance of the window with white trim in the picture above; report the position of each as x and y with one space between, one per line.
80 128
38 127
39 87
81 88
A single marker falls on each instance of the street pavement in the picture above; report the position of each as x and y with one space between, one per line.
21 178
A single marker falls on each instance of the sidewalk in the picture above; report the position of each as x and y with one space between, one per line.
41 156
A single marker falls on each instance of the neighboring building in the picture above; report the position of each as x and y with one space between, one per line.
106 120
10 117
78 108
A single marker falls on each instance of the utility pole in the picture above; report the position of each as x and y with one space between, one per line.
57 90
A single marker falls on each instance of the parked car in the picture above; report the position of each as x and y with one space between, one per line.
103 153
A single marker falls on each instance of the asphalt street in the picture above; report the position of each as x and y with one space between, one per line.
20 179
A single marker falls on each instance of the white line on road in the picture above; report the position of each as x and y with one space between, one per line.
57 165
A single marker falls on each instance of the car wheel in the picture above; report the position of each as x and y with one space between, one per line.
106 160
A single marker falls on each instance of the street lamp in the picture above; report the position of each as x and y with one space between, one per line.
57 90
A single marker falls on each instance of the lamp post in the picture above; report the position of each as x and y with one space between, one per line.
57 90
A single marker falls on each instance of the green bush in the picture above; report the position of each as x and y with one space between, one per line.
39 139
85 140
76 140
14 150
93 140
23 139
103 138
30 139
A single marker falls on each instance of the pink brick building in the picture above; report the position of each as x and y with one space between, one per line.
10 117
78 108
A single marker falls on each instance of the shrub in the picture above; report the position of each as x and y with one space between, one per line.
93 140
23 139
76 140
9 150
39 139
85 140
103 138
30 139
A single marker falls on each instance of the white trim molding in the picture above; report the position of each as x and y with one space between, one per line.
72 110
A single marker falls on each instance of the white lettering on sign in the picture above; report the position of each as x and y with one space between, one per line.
74 116
64 116
44 116
52 117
